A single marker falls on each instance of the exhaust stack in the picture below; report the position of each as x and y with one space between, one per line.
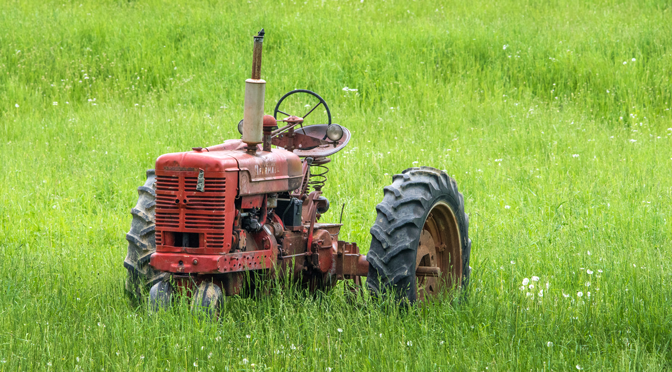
255 89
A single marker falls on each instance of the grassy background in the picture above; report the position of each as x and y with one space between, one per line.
553 116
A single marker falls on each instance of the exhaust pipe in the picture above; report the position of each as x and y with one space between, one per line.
255 89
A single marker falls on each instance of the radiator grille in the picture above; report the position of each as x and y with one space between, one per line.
203 211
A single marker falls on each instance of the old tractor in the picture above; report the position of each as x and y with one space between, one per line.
208 217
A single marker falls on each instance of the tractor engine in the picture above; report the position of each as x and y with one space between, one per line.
212 205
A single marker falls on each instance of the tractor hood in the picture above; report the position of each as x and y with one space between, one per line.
260 173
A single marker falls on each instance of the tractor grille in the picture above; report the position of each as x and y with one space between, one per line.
203 212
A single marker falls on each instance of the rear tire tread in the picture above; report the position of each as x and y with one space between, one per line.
400 219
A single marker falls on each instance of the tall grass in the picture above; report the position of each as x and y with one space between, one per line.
552 116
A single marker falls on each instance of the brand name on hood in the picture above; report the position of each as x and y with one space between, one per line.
179 169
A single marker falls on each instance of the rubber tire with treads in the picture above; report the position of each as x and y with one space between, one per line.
399 223
207 299
160 296
142 243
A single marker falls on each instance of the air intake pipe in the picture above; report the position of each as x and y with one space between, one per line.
255 89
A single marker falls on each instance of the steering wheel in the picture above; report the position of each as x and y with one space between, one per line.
304 91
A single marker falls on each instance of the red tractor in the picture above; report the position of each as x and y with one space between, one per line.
207 216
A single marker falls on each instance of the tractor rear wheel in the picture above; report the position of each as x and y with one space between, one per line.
420 244
141 243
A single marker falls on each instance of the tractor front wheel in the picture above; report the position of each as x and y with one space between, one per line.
208 298
160 296
420 244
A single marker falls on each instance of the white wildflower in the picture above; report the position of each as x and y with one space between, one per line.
526 281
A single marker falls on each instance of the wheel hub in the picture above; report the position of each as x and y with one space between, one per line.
438 248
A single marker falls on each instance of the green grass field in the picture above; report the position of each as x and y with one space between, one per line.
553 116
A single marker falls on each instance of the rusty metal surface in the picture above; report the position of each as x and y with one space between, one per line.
327 147
428 271
213 264
310 141
296 141
260 173
232 283
293 253
256 56
268 172
349 263
439 254
324 251
253 201
312 215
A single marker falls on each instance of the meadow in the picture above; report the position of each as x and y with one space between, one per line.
553 116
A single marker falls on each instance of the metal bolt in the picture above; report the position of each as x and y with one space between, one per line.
195 262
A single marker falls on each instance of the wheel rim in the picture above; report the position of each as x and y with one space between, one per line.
439 247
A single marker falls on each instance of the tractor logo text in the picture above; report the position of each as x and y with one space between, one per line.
265 169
